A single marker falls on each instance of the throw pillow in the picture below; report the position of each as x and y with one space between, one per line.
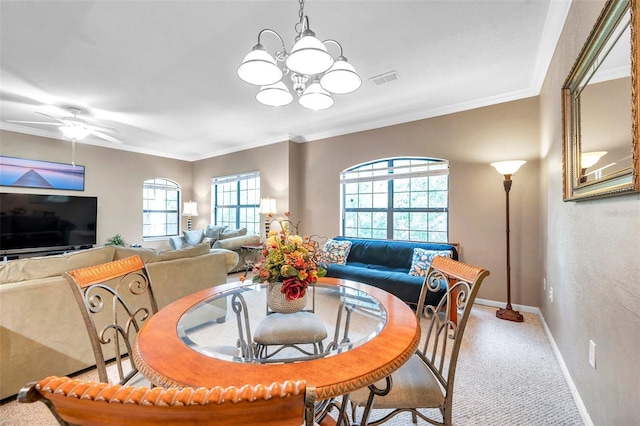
422 259
193 238
213 231
335 251
230 233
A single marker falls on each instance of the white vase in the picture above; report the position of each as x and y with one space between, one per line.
278 302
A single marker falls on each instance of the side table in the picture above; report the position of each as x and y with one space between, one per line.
249 262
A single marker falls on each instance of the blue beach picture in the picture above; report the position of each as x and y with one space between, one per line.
40 174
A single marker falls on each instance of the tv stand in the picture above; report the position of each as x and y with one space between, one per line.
49 251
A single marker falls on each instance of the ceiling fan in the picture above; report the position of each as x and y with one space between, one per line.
74 127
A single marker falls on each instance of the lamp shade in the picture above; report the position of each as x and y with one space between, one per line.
341 78
588 159
274 95
315 97
259 68
508 167
268 206
309 56
76 131
190 209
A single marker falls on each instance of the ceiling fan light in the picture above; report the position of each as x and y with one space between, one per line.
341 78
259 68
75 131
315 97
309 56
274 95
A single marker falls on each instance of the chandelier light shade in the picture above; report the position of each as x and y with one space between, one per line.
315 97
75 130
309 61
309 56
259 68
274 95
341 78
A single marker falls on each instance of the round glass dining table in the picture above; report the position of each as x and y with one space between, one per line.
206 339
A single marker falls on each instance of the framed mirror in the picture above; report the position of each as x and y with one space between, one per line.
601 154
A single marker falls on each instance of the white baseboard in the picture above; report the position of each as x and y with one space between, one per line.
572 387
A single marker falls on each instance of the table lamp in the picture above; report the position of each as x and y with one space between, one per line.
508 168
267 207
190 209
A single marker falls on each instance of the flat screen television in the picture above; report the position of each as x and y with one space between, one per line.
31 222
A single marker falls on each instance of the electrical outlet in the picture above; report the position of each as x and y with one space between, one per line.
544 284
592 354
551 294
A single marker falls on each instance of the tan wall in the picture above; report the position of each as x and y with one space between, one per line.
114 176
470 141
271 161
590 259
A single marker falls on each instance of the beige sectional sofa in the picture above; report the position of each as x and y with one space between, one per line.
41 329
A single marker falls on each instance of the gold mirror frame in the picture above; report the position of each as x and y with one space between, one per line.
575 182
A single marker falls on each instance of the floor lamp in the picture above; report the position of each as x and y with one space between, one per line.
267 207
508 168
190 209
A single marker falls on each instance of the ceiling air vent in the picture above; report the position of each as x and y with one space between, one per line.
384 78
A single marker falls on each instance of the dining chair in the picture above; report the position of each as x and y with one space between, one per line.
427 379
303 331
115 300
78 402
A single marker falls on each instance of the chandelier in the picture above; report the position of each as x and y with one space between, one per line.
308 62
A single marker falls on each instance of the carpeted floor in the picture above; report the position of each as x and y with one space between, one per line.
507 374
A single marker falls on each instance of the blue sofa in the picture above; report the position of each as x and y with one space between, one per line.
386 264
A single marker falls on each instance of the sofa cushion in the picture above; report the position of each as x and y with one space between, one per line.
335 252
232 233
50 266
214 231
176 242
152 255
422 258
193 237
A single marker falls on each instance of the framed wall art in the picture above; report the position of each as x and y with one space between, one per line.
21 172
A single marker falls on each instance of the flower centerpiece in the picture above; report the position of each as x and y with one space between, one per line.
289 259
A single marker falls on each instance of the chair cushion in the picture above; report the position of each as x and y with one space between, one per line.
193 238
422 258
335 252
414 386
289 329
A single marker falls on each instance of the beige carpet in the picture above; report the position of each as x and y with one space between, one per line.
507 375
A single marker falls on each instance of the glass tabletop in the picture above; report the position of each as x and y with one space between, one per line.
224 326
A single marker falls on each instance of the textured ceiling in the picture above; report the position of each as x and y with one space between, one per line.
163 73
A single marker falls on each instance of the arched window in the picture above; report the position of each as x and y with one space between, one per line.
160 208
398 199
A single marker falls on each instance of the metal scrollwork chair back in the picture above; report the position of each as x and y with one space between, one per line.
115 299
77 402
426 380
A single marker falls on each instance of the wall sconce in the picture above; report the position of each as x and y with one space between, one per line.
508 168
190 209
267 207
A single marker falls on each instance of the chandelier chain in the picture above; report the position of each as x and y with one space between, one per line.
300 26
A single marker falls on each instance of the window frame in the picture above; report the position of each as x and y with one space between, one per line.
166 185
390 171
253 226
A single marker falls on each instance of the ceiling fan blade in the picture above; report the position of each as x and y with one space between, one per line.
106 137
102 128
50 116
33 122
